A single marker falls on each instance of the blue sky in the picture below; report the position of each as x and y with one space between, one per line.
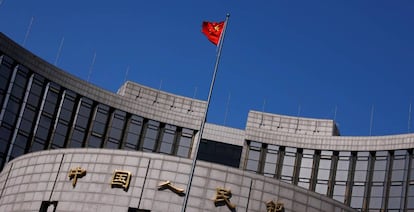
310 58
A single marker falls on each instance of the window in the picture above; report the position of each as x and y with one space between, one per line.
168 139
324 172
360 178
11 112
133 132
99 126
378 180
289 164
46 118
19 146
6 71
184 143
341 176
306 166
19 83
271 160
5 133
398 182
64 119
36 91
253 156
150 136
410 192
220 153
81 122
116 128
11 108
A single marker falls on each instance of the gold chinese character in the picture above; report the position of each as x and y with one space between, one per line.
274 207
168 185
76 173
270 206
280 207
223 197
121 179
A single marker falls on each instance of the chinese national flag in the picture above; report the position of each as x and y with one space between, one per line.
212 30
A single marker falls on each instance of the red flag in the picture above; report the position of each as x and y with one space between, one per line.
213 31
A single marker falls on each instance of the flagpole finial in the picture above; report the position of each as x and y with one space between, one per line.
228 15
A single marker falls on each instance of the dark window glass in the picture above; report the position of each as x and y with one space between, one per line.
77 138
21 141
29 114
19 145
65 115
81 122
17 92
132 141
58 141
167 139
60 135
26 126
136 125
100 120
42 133
112 144
220 153
11 113
151 135
99 126
35 93
95 142
3 145
36 146
85 109
49 108
5 138
101 116
19 83
16 152
166 148
5 75
115 131
116 134
133 132
184 143
21 77
3 88
118 119
45 121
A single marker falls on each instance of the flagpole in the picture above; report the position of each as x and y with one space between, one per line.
204 118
